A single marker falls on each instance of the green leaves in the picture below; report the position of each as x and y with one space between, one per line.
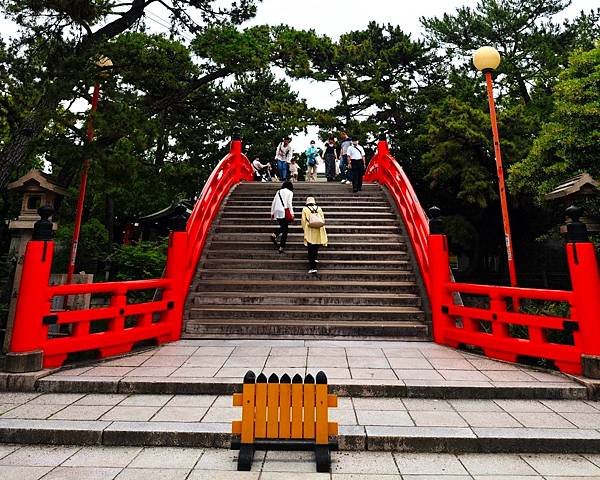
238 50
458 153
570 142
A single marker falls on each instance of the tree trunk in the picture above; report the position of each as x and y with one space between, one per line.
523 88
110 218
345 106
13 153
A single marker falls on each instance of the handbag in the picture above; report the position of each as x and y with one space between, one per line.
289 216
315 220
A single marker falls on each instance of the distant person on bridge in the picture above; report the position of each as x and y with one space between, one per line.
312 155
345 170
315 235
283 155
262 172
356 155
282 211
294 170
330 159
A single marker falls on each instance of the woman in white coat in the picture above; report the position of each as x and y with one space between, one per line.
282 201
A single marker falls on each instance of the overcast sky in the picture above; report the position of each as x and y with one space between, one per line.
334 17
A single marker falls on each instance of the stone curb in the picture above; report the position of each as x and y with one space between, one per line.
345 388
351 438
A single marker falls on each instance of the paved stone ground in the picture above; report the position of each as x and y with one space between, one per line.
136 463
364 412
421 363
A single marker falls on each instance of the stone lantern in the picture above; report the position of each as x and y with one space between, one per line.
576 190
38 189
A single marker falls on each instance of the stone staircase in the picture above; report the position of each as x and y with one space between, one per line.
366 285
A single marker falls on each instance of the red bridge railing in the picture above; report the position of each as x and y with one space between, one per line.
384 170
502 322
126 320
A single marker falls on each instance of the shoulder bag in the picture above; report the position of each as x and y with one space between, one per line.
289 216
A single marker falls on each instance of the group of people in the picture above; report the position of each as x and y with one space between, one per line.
312 222
349 158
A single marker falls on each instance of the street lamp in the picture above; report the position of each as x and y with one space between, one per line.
103 63
486 60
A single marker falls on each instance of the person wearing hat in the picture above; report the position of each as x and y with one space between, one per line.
311 153
356 155
315 235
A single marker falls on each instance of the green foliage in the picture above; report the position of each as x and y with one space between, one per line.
267 110
533 46
570 142
93 244
139 261
458 153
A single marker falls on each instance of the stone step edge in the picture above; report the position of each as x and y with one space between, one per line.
343 388
351 438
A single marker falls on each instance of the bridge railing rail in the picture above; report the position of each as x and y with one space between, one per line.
384 169
48 336
561 327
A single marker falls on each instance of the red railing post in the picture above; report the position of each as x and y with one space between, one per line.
439 277
175 270
33 302
585 281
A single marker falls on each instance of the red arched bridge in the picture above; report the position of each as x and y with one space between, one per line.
205 292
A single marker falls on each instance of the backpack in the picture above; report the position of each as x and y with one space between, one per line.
311 157
314 219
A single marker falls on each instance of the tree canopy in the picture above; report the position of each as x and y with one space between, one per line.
171 100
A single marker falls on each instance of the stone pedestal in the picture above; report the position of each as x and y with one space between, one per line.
38 189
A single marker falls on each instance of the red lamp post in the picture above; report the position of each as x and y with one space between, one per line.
103 63
486 60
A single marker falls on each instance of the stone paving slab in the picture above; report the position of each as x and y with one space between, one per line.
171 463
354 368
396 424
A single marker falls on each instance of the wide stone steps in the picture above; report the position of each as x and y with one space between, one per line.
401 330
310 298
336 210
325 255
300 312
332 230
338 221
265 245
300 197
365 286
307 285
350 204
298 264
296 237
289 274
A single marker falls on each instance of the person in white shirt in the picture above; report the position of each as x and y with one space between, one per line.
262 172
282 200
283 155
345 167
356 155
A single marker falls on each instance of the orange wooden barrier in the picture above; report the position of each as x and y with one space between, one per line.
283 415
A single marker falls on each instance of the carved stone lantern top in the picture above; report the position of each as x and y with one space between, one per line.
38 189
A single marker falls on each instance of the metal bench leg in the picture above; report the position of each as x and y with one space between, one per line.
323 458
245 458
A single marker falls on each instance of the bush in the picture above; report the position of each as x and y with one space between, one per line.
93 245
143 260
